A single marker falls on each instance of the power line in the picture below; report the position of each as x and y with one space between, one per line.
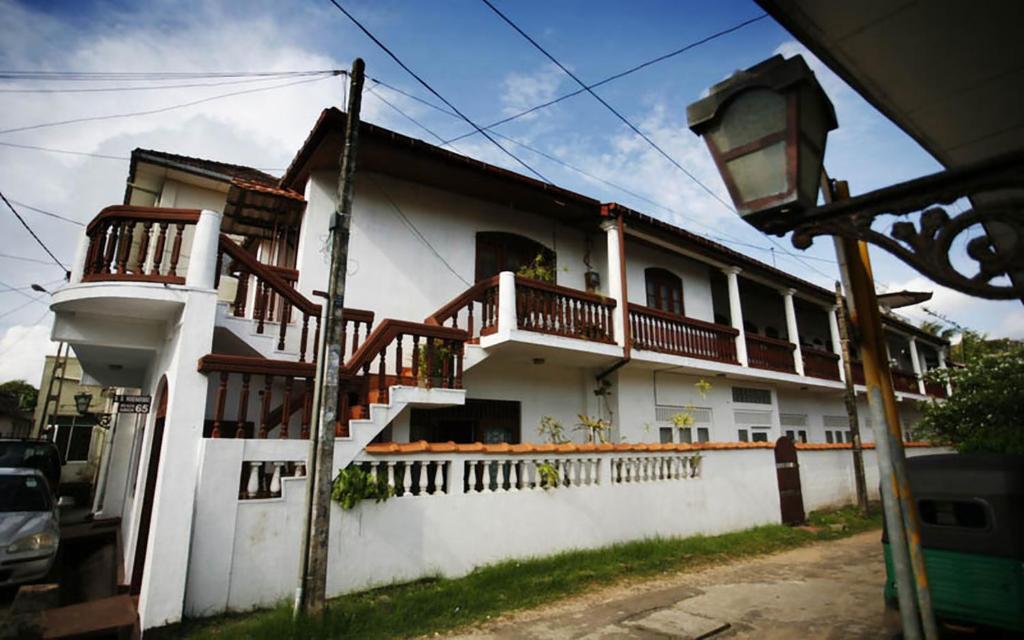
161 109
429 88
22 306
47 213
148 76
622 118
24 259
87 154
31 232
164 86
38 320
621 74
19 290
404 114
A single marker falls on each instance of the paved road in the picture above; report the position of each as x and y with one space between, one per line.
828 590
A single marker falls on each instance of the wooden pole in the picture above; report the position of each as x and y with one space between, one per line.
850 399
315 591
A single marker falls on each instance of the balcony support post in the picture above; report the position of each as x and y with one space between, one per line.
736 313
507 320
792 330
942 365
915 360
202 259
615 279
837 343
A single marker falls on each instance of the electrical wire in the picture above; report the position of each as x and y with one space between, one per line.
24 259
19 290
31 232
22 306
39 320
161 109
147 76
87 154
433 91
51 90
621 74
46 213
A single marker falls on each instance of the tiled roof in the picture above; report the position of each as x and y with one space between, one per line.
223 169
423 446
273 190
822 446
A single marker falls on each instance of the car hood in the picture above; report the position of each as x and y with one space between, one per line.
16 525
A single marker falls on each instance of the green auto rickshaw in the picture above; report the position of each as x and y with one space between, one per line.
971 509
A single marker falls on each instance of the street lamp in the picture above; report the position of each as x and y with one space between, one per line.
766 129
82 402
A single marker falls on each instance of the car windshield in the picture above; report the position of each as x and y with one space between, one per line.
23 493
35 455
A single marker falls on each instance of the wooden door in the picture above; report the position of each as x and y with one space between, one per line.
787 469
152 473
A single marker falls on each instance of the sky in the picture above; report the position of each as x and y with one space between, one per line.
472 58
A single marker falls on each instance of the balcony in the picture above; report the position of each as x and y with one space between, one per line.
140 244
656 330
820 364
770 353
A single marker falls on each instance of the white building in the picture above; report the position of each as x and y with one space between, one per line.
202 290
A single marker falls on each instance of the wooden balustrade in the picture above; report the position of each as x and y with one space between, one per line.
935 389
904 381
141 244
560 311
273 391
770 353
483 294
656 330
274 297
820 364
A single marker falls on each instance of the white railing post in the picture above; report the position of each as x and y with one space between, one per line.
456 475
915 361
837 343
793 330
202 258
507 321
614 276
81 252
736 313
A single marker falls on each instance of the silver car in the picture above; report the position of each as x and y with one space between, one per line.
29 526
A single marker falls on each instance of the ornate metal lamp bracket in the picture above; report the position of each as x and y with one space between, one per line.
996 191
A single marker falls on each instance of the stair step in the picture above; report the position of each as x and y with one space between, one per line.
107 616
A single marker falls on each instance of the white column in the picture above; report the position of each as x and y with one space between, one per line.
736 312
614 278
202 258
78 268
915 360
942 365
507 302
837 343
793 330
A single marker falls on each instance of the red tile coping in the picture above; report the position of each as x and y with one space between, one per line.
423 446
822 446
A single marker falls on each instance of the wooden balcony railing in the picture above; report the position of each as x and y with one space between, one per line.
935 389
281 389
656 330
560 311
770 353
857 367
141 244
483 294
271 290
905 381
820 364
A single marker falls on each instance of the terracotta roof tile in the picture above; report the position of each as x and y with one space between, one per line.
225 169
422 446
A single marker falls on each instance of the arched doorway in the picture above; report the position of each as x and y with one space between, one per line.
152 473
497 251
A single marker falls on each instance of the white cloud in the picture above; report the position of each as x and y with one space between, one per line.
521 91
998 319
22 352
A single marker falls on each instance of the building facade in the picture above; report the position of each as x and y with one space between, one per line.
481 305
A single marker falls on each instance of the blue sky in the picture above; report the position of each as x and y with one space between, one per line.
461 48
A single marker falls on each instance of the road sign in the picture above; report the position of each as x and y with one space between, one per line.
134 404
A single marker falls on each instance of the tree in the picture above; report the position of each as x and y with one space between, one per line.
984 412
20 394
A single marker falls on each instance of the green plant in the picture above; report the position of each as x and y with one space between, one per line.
596 428
354 484
539 269
683 419
548 475
552 430
430 361
703 386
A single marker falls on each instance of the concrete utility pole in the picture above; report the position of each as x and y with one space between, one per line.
851 403
315 589
897 500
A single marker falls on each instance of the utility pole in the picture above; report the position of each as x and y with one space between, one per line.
60 363
851 403
897 500
314 590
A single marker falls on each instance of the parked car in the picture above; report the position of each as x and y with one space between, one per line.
971 509
29 526
33 454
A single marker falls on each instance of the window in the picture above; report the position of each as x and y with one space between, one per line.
802 436
953 513
665 435
73 437
829 438
744 435
751 396
664 290
760 436
791 435
703 434
497 252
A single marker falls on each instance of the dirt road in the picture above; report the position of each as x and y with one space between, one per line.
828 590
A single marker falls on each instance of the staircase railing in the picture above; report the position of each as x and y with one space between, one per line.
137 244
484 293
274 293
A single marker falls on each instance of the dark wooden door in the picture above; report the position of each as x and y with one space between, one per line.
152 473
787 469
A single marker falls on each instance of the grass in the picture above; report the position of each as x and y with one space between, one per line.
438 604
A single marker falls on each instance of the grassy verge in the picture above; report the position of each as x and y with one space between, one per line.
432 605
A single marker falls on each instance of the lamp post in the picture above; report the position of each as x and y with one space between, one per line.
83 400
766 128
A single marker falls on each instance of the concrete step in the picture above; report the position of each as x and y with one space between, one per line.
113 617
